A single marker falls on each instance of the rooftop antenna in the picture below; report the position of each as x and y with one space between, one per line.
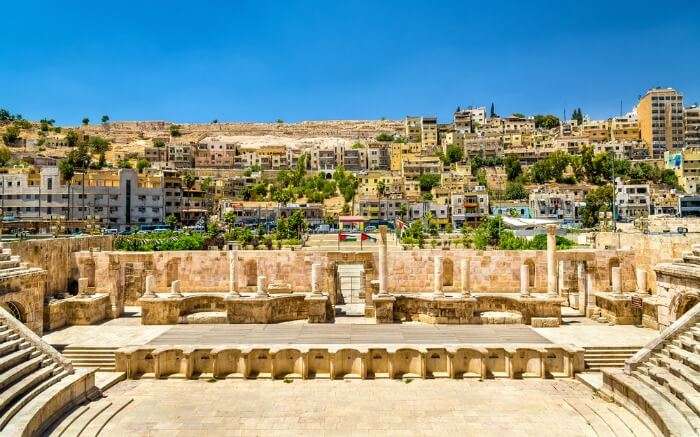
620 108
564 114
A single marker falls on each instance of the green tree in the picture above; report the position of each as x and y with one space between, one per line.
427 181
105 119
72 138
512 167
124 163
11 135
597 200
518 115
383 136
86 121
188 179
142 164
171 221
452 154
548 121
175 131
66 169
5 156
157 142
577 115
492 113
98 144
515 191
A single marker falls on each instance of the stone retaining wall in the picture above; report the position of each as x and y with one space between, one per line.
467 361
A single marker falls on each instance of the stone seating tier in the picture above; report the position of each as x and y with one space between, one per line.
366 362
37 385
663 379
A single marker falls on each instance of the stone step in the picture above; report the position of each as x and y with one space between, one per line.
9 346
23 386
75 426
692 258
12 263
665 415
688 343
5 256
4 333
593 356
96 426
688 358
681 389
18 372
14 358
671 398
6 416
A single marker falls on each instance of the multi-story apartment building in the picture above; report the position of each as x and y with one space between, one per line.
625 128
483 143
556 205
664 201
180 155
262 213
388 209
692 126
631 200
686 165
469 208
378 156
660 115
34 193
213 153
689 205
323 159
469 119
429 132
354 159
413 167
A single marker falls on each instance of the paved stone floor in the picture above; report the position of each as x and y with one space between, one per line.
347 334
384 407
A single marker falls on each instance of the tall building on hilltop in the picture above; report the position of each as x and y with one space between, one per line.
692 126
660 114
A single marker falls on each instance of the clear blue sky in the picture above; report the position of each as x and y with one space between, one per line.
262 60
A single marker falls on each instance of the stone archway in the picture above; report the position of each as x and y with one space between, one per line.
250 271
17 310
172 271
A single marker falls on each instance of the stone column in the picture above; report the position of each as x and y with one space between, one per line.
232 273
561 276
616 281
437 276
582 277
524 280
261 292
148 289
551 267
175 289
383 264
464 267
641 276
83 287
315 273
590 297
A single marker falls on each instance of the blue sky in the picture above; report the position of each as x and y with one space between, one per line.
296 60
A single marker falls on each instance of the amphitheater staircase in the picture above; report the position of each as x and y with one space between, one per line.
597 357
33 379
90 419
663 379
100 358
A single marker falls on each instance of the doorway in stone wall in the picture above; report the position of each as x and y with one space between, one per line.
350 285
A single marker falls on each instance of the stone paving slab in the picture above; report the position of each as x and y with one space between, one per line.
381 407
348 334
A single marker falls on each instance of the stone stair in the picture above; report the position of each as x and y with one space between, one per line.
663 379
89 420
599 357
100 358
34 379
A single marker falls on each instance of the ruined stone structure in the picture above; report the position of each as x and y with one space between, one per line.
22 289
468 361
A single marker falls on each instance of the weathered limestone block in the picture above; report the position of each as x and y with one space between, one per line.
545 322
319 309
77 310
616 308
384 308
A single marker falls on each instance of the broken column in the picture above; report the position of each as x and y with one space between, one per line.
464 267
175 289
261 291
315 273
616 281
524 280
551 267
149 286
437 276
641 276
383 264
232 273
